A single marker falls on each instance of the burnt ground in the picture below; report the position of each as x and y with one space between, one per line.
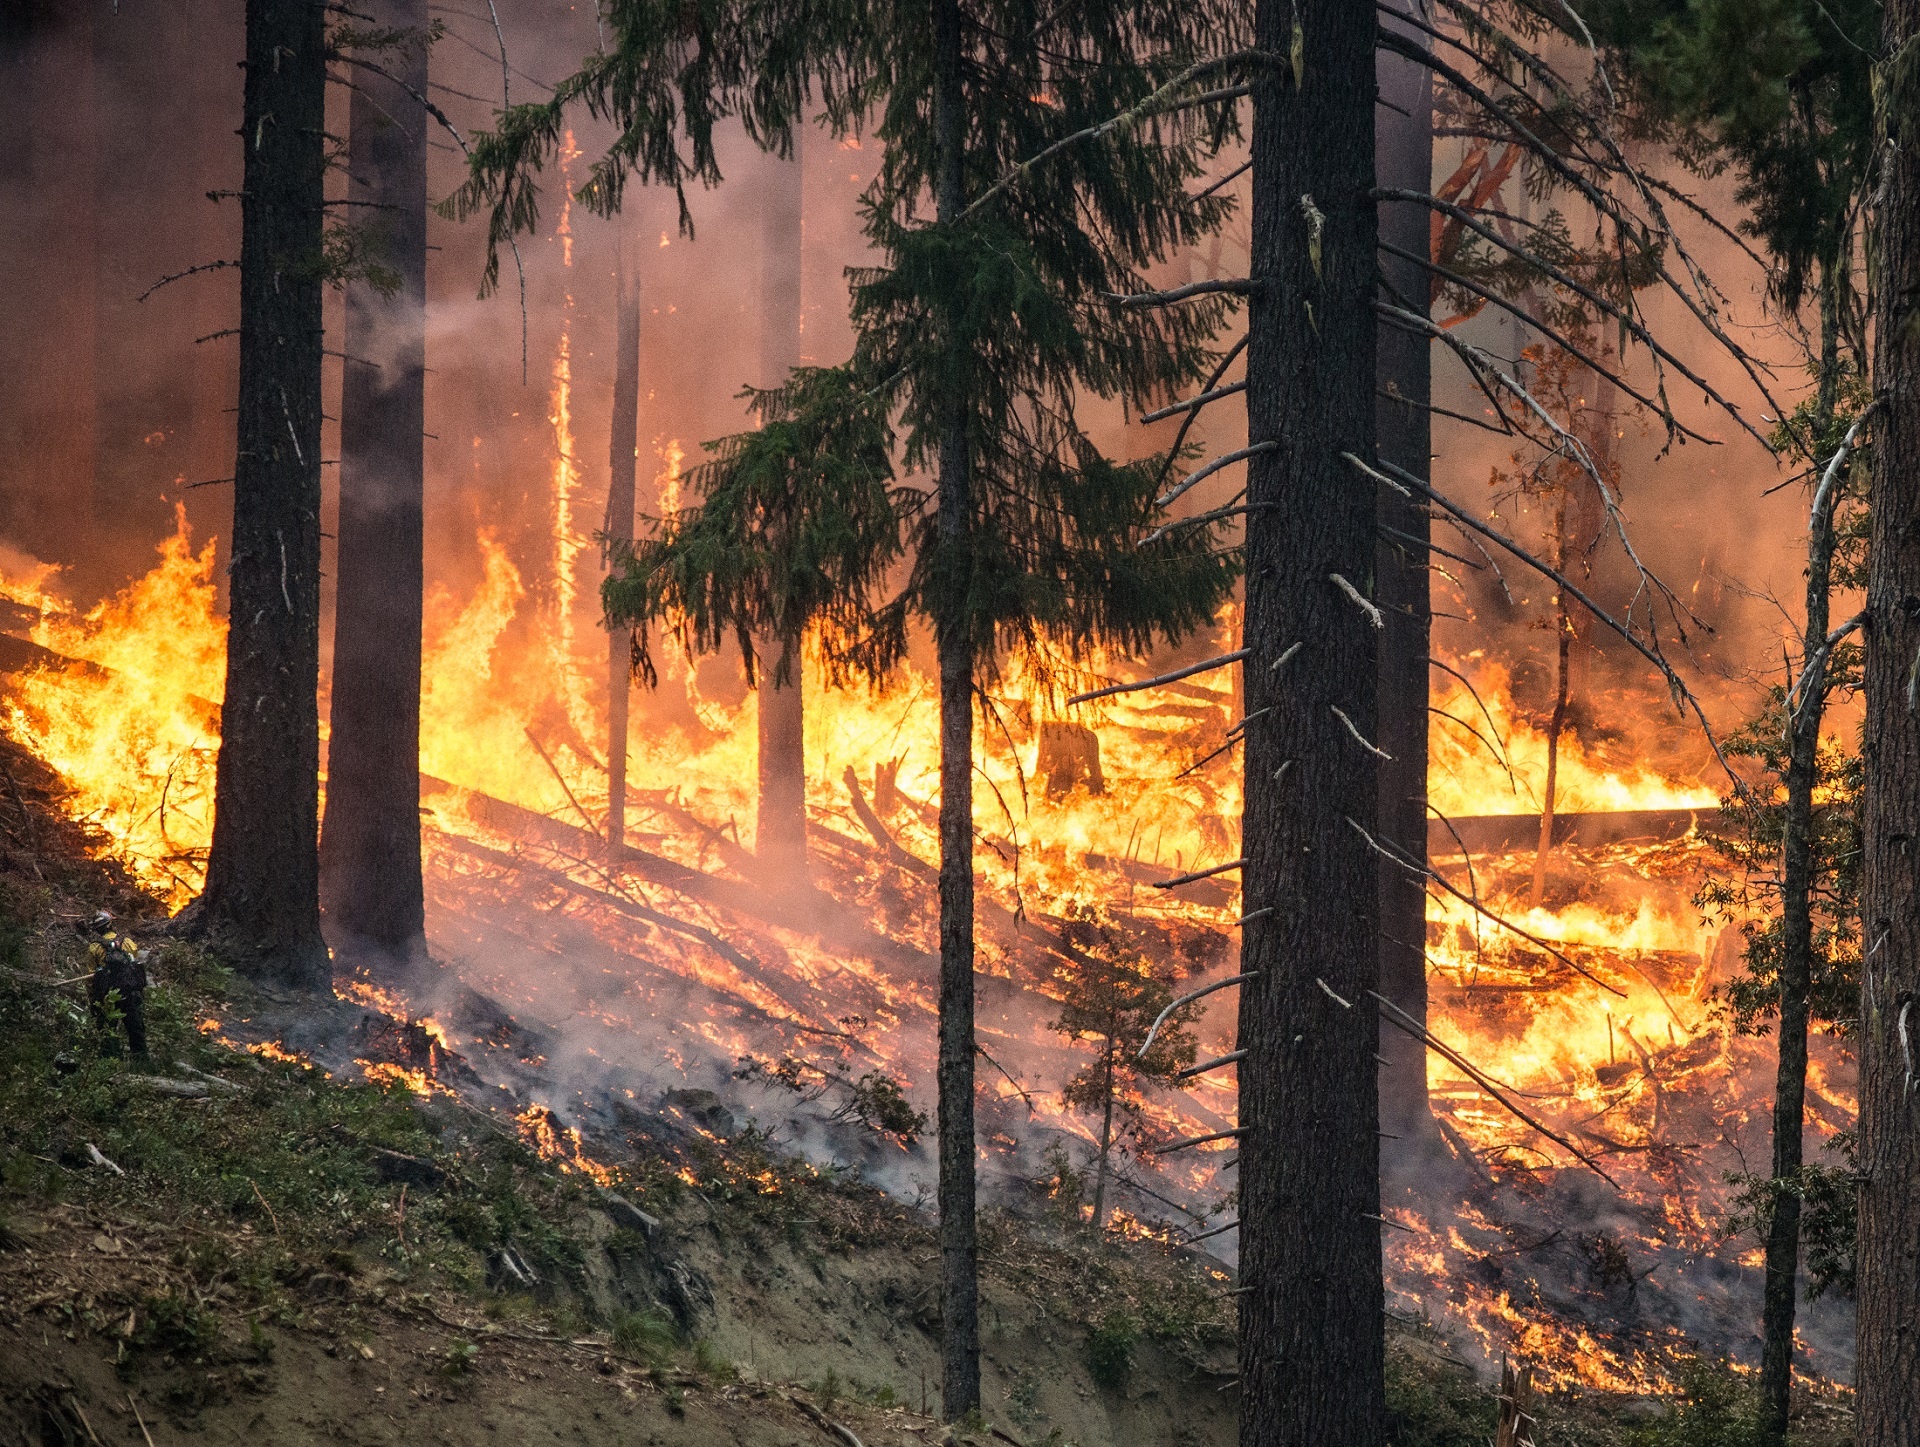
277 1253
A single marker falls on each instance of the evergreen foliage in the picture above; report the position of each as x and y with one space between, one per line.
1782 91
1110 996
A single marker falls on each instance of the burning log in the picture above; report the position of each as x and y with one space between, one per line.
808 916
1500 833
871 822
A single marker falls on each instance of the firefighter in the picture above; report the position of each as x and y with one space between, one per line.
118 986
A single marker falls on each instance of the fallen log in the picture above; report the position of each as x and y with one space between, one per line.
1499 833
870 821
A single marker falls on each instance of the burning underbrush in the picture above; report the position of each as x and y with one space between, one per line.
606 1009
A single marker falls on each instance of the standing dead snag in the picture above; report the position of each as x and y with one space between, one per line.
1311 1345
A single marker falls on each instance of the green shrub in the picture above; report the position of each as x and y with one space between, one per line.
1716 1408
1110 1349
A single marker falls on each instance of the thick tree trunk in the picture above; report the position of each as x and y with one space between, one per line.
953 641
1796 940
1888 1369
370 846
261 905
622 465
1311 1337
1403 367
780 835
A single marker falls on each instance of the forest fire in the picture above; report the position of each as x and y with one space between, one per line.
1594 1012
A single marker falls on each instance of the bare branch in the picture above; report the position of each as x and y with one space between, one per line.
182 275
1395 855
1205 666
1230 390
1199 874
1234 286
1405 1023
1193 479
1188 999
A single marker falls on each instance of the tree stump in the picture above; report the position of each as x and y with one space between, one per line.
1069 757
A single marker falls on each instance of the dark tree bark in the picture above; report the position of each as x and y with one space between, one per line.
1888 1369
1311 1335
622 467
261 905
953 642
1404 158
1796 936
370 847
780 834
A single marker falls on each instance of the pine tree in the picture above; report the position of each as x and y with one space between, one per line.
1311 1326
977 338
370 876
780 823
1111 994
1888 1371
260 907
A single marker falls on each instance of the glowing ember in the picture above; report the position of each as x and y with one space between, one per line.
560 1145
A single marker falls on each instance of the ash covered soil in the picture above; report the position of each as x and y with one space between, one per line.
228 1244
224 1243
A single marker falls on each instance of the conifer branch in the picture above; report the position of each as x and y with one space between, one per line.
1157 103
221 265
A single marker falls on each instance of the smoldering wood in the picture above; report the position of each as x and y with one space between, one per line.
888 844
1398 1018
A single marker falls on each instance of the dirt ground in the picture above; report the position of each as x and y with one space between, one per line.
797 1349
